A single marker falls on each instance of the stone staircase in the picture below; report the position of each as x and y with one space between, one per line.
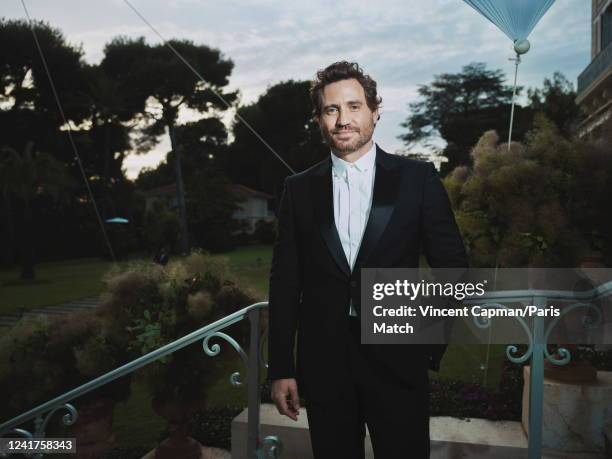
451 438
8 320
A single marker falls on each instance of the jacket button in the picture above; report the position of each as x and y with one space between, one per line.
353 283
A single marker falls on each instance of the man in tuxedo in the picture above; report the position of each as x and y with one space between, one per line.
359 208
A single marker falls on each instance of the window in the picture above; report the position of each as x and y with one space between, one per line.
606 27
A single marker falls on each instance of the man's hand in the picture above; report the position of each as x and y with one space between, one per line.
280 390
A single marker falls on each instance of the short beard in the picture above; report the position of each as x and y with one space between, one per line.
363 137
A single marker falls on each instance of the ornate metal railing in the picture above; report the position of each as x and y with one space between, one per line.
257 448
537 337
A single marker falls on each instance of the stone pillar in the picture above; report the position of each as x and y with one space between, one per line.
575 415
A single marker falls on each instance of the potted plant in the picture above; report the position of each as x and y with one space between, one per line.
156 305
41 358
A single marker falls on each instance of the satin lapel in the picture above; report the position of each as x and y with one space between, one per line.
324 207
384 197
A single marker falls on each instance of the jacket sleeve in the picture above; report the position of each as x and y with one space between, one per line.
284 292
442 242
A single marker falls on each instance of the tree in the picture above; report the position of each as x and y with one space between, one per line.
24 81
557 101
113 108
28 110
29 117
460 107
543 203
210 203
25 177
171 85
210 206
282 116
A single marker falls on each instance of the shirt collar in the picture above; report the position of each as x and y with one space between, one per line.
365 163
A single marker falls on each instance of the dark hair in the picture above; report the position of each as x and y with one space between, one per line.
338 71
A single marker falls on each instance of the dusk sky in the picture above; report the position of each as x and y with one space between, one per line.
400 43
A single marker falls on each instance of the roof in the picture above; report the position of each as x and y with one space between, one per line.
242 191
238 190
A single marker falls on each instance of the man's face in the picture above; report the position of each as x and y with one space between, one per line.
346 121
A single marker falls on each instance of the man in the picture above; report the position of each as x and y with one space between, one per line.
358 208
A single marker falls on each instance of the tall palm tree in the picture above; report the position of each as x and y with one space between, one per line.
23 178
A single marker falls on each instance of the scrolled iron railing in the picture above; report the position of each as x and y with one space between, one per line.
537 349
257 448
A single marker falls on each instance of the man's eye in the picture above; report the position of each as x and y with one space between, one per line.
355 107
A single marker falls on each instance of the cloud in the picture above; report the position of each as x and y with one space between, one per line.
401 43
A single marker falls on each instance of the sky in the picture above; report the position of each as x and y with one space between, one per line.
400 43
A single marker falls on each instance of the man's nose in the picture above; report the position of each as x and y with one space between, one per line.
343 119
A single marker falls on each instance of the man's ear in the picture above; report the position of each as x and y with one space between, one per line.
375 116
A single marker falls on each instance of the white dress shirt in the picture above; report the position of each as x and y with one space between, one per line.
353 184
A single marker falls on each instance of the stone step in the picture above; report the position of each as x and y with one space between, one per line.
37 314
15 315
46 311
81 307
451 438
80 304
4 322
63 309
8 320
93 300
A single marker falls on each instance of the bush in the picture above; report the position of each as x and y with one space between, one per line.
45 357
158 305
472 400
542 203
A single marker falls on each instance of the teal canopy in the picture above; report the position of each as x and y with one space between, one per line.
117 220
516 18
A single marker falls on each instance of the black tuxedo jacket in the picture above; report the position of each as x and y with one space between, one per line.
311 283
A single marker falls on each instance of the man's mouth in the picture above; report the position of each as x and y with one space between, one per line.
344 133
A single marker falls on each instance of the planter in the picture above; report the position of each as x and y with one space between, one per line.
94 428
178 444
574 416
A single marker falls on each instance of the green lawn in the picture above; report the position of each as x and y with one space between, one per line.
62 281
56 283
252 265
469 363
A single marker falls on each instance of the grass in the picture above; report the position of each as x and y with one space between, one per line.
251 264
56 283
63 281
469 363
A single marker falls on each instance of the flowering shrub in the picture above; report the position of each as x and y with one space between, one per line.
156 305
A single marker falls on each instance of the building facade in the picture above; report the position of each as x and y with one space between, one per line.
595 81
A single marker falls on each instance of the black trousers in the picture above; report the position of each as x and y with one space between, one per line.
397 415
